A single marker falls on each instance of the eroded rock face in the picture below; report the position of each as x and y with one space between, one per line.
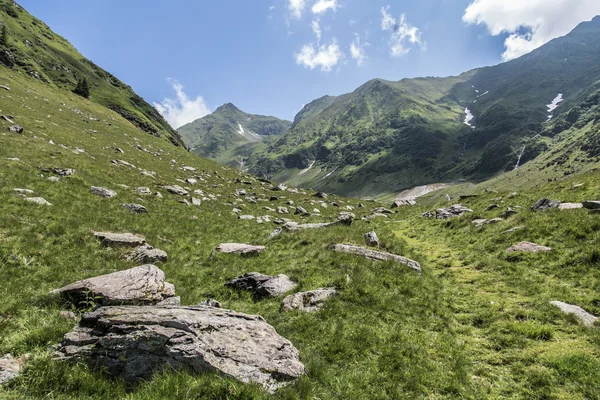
263 285
140 285
134 342
307 301
585 317
528 247
545 204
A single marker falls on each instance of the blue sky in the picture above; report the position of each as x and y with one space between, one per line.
272 56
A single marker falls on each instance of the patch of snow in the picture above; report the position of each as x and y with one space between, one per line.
483 94
554 105
519 159
240 129
416 192
307 169
327 176
474 101
469 117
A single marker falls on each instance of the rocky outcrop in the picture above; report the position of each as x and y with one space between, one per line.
585 317
527 247
545 204
453 211
140 285
307 301
120 239
375 255
400 203
263 285
240 248
133 343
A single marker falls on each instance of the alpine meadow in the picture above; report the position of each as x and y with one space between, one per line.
411 238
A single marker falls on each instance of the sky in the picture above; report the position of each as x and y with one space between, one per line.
271 57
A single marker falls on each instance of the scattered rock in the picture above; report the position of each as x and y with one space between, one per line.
585 317
591 205
241 192
511 230
279 188
143 190
493 221
283 210
453 211
140 285
103 192
345 218
53 178
10 367
176 189
569 206
247 217
375 255
23 191
528 247
120 239
321 195
508 213
491 207
191 181
196 201
239 248
307 301
544 204
63 171
136 208
400 203
263 285
123 163
382 210
134 343
479 222
301 210
38 200
16 128
371 239
146 254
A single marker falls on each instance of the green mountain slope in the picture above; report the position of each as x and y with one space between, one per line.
388 136
226 134
34 50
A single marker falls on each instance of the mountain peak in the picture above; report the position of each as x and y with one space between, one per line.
228 107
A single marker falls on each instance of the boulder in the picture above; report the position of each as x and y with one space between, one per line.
544 204
103 192
307 301
63 171
10 367
16 129
176 189
241 192
144 191
301 210
511 230
38 200
134 343
453 211
400 203
120 239
382 210
371 239
146 254
263 285
585 317
283 210
246 217
321 195
570 206
239 248
528 247
491 207
345 218
136 208
375 255
196 201
508 213
479 222
140 285
591 205
23 191
279 188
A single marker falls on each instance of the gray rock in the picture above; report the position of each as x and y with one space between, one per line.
591 205
134 343
176 189
479 221
280 188
196 201
570 206
23 191
453 211
307 301
516 228
321 195
103 192
53 178
174 301
241 192
527 247
508 213
382 210
375 255
38 200
345 218
210 303
263 285
493 221
585 317
283 210
246 217
123 163
239 248
144 191
491 207
371 239
68 315
136 208
301 210
63 171
400 203
120 239
146 254
10 367
140 285
16 128
544 204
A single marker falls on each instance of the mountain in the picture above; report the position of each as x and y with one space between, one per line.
32 49
227 133
388 136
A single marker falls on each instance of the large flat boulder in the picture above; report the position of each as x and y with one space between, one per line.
147 254
240 248
263 285
120 239
528 247
307 301
375 255
134 342
585 317
453 211
140 285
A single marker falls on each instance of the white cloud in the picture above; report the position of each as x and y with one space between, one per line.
325 56
357 50
182 110
402 34
529 23
296 8
321 6
316 29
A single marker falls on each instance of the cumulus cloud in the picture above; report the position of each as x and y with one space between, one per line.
321 6
316 29
529 23
402 35
296 8
357 50
182 110
325 56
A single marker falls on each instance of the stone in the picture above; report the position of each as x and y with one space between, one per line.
239 248
544 204
453 211
513 195
371 239
345 218
479 222
68 315
247 217
53 178
123 163
10 367
23 191
174 301
263 219
196 201
140 285
176 189
103 192
279 188
491 207
301 210
241 192
321 195
263 285
120 239
38 200
570 206
191 181
375 255
400 203
63 171
307 301
147 254
493 221
283 210
508 213
143 190
382 210
527 247
136 208
585 317
591 205
134 343
16 129
511 230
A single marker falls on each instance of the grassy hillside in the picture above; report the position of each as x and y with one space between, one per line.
34 50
